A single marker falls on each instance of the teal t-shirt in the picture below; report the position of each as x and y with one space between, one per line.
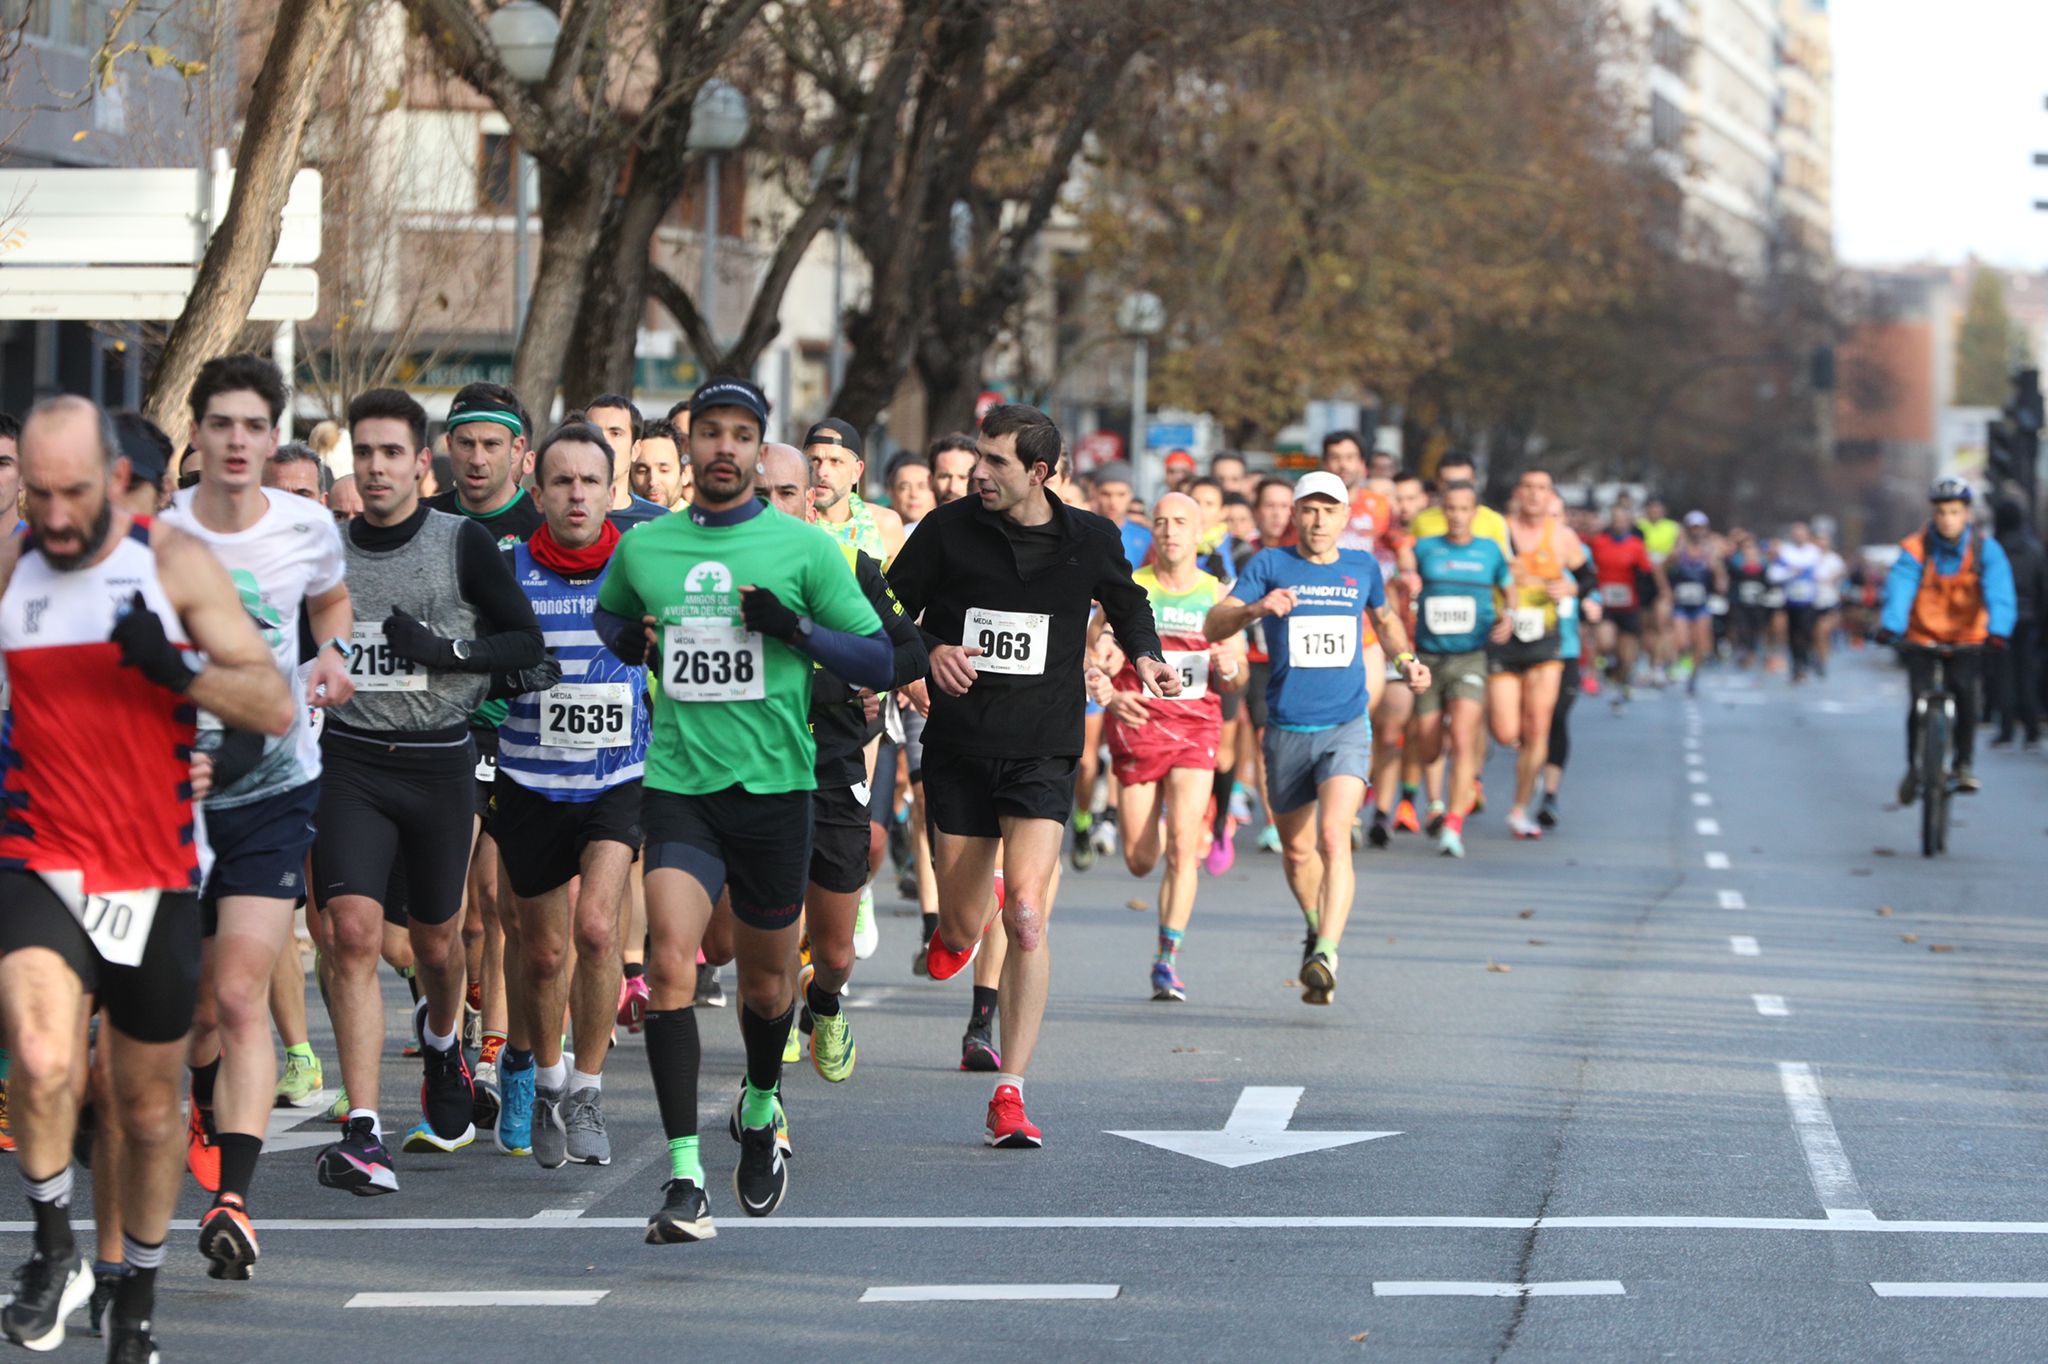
1457 606
730 707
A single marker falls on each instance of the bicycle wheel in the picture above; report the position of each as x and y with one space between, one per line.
1934 778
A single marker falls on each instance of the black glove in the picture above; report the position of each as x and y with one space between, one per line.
415 643
1886 638
763 612
145 648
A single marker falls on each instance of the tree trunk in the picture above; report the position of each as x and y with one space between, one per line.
286 90
951 372
572 212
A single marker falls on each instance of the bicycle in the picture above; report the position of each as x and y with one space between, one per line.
1935 710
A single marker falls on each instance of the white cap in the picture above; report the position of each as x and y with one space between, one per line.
1696 518
1323 483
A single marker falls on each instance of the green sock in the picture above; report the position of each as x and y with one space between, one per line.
1312 918
304 1051
757 1109
683 1162
1326 946
1408 793
1083 821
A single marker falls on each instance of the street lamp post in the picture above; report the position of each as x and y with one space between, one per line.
821 165
525 33
1141 316
718 124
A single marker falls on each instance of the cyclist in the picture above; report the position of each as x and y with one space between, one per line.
1966 599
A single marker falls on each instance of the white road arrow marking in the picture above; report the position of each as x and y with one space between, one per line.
279 1136
1255 1131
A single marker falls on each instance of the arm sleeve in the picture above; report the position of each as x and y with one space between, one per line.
620 634
511 639
1901 585
1125 605
846 634
1586 575
910 659
860 660
1999 598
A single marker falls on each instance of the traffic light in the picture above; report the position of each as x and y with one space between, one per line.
2013 448
2024 412
2002 454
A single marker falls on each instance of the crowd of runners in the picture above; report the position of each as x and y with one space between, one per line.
627 701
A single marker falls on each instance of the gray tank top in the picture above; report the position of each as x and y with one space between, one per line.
422 577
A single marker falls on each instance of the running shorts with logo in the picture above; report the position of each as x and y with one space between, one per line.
152 1001
384 806
542 841
259 850
1181 731
757 847
1453 677
839 838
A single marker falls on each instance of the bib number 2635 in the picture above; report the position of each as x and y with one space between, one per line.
712 661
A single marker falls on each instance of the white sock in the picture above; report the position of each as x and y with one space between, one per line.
438 1041
551 1077
1005 1078
376 1123
579 1080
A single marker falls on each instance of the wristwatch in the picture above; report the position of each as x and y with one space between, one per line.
461 650
1403 660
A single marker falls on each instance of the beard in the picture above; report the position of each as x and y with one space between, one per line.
67 560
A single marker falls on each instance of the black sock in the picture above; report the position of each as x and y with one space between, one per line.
635 969
984 1006
412 983
930 926
674 1053
50 1199
202 1082
1226 782
765 1038
238 1152
135 1296
824 1003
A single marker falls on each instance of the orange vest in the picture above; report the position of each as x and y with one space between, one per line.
1947 610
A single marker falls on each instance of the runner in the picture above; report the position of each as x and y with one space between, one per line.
1396 776
99 613
1526 670
1573 614
660 474
837 468
397 793
1748 570
1795 571
284 558
737 602
1003 584
615 415
1164 750
910 490
841 718
1273 512
570 757
1660 537
1319 740
487 439
1829 576
1622 561
1697 577
1464 584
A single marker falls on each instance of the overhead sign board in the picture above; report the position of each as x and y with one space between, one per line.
68 216
141 293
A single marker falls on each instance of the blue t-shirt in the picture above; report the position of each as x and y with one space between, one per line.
1318 678
1137 542
1456 607
636 511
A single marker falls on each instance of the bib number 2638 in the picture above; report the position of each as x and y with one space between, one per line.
712 661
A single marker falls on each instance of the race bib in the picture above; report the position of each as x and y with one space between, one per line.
1450 615
712 660
1749 593
1322 641
1774 600
486 767
1689 594
1618 595
1193 667
587 715
373 667
118 922
1010 641
1717 605
1529 624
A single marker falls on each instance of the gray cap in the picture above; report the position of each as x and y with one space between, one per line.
1116 471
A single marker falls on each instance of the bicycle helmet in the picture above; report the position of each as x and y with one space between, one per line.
1951 490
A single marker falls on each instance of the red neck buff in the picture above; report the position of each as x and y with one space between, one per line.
573 563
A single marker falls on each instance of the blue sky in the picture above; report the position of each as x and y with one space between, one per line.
1938 110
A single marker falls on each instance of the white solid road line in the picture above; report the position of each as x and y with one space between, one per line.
1771 1006
992 1292
1707 828
1717 861
1742 945
1841 1198
1960 1290
1453 1288
486 1297
1732 899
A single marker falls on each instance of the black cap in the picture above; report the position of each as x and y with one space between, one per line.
833 431
144 443
728 392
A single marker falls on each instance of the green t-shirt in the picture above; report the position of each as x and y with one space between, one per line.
731 708
1659 537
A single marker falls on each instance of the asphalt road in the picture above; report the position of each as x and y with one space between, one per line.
1669 1084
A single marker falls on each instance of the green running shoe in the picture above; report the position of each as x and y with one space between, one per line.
338 1110
300 1083
832 1046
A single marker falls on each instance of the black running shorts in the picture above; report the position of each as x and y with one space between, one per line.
259 850
542 840
756 846
839 839
967 796
383 807
152 1002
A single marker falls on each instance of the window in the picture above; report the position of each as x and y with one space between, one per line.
1667 125
494 172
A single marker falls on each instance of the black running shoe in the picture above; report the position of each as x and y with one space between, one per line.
685 1215
448 1095
130 1342
1379 835
978 1050
358 1162
46 1291
1546 813
1318 979
105 1283
762 1176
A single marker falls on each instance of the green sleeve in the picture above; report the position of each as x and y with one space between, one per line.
832 595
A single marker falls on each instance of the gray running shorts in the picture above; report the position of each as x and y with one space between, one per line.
1299 761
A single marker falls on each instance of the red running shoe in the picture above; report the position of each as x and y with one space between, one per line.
943 962
1008 1129
1404 817
202 1157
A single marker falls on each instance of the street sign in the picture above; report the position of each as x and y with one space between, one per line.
131 216
1169 435
142 293
1096 449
